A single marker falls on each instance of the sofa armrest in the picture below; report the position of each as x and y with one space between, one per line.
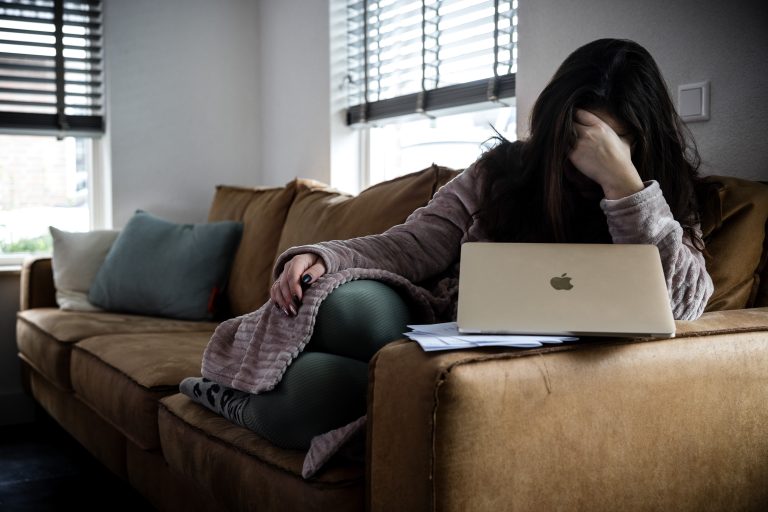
37 289
673 424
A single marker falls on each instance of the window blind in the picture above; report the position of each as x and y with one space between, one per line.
51 66
406 56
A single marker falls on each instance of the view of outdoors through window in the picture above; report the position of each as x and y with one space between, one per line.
43 182
453 141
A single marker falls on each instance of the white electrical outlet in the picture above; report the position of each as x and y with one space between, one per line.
693 101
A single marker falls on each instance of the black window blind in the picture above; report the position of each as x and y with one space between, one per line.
406 56
51 68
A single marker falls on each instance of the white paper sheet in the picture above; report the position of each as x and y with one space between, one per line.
446 336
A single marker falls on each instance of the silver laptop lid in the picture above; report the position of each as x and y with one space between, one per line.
568 289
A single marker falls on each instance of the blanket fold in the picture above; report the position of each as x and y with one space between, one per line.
251 353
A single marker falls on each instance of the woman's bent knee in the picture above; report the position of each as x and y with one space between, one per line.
358 318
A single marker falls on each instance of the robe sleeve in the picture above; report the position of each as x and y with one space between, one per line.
645 218
423 246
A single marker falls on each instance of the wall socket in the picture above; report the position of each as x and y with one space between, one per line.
693 101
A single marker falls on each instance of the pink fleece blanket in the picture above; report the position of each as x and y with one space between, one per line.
252 352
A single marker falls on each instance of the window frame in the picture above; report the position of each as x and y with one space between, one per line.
429 100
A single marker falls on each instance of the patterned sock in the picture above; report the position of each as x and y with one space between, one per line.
318 393
222 400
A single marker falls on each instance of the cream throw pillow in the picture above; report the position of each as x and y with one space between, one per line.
77 258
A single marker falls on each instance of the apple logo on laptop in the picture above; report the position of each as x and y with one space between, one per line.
561 283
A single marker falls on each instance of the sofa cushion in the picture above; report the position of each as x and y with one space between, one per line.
246 472
45 335
123 376
262 212
734 216
77 258
157 267
320 213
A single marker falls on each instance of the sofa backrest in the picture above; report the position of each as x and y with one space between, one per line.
734 221
306 211
320 213
262 211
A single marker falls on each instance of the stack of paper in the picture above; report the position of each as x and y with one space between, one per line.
447 337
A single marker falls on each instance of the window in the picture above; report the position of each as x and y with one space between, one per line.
430 80
451 140
43 181
51 116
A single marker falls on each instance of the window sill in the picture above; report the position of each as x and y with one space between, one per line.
16 261
10 269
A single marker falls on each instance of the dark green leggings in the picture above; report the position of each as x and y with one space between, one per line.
326 385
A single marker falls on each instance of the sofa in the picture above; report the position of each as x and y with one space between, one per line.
601 424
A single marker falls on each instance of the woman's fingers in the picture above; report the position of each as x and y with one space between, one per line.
287 291
601 155
313 273
289 283
279 297
586 118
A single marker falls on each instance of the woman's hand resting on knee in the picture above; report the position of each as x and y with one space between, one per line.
287 292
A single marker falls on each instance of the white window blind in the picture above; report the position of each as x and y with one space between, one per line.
408 56
51 66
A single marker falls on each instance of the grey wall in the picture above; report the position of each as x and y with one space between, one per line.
183 103
691 40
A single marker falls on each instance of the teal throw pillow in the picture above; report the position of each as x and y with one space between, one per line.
161 268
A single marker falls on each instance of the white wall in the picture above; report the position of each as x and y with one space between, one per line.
183 103
725 42
295 78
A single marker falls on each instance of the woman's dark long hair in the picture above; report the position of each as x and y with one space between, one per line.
528 196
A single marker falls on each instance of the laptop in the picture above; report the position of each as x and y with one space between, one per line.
563 289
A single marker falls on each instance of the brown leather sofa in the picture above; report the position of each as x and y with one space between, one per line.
674 424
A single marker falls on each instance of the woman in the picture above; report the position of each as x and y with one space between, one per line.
604 136
607 160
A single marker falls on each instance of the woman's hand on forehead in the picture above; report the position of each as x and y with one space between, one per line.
603 156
